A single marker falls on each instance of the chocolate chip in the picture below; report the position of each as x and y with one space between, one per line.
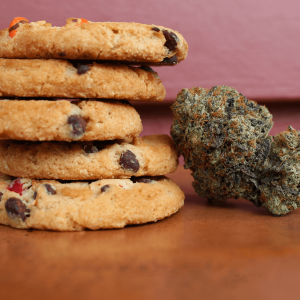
62 54
171 40
140 179
1 194
89 149
155 29
16 208
82 69
17 25
128 161
74 20
104 188
50 190
170 60
78 125
34 195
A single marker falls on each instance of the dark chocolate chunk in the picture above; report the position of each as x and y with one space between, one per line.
16 208
35 195
17 25
78 125
104 188
155 29
62 54
141 179
89 149
50 190
82 69
128 161
170 60
171 40
1 194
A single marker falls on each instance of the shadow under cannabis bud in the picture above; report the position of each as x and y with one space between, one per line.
224 139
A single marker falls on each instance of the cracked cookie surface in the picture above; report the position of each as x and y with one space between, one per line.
148 156
62 120
108 203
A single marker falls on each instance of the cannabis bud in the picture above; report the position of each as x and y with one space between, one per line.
279 184
224 139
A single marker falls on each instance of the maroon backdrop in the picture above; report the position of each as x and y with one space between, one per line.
250 45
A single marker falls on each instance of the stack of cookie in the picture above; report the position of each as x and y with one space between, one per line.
65 121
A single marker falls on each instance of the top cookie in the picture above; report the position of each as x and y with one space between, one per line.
81 39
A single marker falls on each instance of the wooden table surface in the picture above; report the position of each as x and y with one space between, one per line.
229 250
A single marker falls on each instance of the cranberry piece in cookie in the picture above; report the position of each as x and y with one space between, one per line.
16 186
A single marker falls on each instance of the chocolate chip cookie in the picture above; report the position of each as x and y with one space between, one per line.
148 156
81 39
63 120
73 79
108 203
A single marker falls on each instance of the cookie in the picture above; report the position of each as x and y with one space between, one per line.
61 78
107 203
81 39
63 120
148 156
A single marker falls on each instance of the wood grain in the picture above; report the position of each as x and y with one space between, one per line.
231 250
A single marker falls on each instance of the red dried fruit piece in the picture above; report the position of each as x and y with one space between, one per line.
80 21
15 23
16 186
16 208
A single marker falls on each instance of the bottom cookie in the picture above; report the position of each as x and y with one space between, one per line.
108 203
